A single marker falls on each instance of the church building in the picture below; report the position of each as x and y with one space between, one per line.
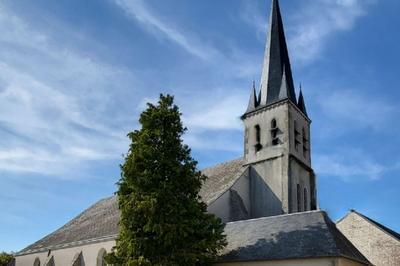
267 198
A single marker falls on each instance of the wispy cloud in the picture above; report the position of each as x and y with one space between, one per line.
312 24
350 165
351 110
315 23
53 113
221 112
138 10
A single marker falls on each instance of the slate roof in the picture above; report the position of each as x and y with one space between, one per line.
292 236
101 219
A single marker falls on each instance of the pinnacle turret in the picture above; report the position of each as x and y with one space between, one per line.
301 104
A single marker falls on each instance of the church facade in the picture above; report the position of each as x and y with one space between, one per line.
267 198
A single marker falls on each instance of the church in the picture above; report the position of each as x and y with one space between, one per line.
267 198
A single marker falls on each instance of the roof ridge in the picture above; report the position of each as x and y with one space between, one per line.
222 163
276 216
340 239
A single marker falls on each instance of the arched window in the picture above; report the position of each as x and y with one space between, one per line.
37 262
258 145
100 257
305 143
50 262
298 198
305 199
296 136
274 132
273 124
78 259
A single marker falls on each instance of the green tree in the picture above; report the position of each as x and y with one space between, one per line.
5 258
163 219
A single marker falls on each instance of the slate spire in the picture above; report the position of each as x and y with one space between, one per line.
276 67
300 103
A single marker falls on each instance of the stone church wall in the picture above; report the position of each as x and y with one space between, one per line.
222 207
65 256
377 246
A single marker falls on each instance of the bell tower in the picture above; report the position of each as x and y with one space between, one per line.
277 134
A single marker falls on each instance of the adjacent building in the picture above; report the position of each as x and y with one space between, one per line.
375 241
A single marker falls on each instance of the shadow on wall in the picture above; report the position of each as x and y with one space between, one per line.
264 201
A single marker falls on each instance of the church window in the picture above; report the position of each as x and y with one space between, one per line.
305 143
50 262
305 199
78 259
100 258
273 124
274 132
298 198
296 136
258 145
37 262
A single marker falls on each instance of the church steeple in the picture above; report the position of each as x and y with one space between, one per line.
277 139
276 67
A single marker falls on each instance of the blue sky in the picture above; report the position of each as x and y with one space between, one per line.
74 76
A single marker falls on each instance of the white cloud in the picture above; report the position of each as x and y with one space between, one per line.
140 11
351 109
317 21
220 112
312 24
54 103
349 165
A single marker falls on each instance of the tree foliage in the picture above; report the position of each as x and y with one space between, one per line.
5 258
163 220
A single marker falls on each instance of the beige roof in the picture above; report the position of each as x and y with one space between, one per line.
220 178
100 221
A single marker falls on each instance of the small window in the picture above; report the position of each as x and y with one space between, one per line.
274 132
37 262
298 198
296 136
50 262
305 143
305 199
78 259
273 124
100 257
258 145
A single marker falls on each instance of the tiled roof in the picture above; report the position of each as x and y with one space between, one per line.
291 236
220 178
380 226
98 221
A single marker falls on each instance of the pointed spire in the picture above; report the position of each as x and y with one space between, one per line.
301 104
276 62
253 102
